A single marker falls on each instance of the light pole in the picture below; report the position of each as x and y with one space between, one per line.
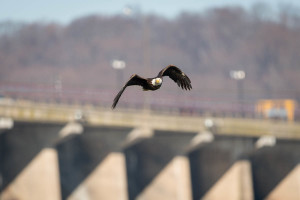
119 65
58 87
239 76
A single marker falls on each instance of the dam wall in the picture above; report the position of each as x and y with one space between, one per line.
50 160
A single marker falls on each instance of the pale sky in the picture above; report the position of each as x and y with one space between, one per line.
64 11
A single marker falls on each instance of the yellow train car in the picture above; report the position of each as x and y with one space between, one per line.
276 108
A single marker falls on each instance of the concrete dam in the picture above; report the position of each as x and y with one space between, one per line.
68 159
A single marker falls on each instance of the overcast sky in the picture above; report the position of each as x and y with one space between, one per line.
64 11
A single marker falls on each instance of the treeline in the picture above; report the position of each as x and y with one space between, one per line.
207 46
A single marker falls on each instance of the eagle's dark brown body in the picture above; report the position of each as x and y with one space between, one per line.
172 71
149 86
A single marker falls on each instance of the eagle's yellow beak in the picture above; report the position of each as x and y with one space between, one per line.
157 80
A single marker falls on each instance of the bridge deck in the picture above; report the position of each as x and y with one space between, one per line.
35 112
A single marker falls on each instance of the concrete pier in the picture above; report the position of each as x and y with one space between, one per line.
38 180
235 184
152 163
29 166
289 187
106 181
94 152
275 167
211 161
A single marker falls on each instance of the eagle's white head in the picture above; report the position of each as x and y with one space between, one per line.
156 81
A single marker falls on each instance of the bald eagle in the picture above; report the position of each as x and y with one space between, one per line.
172 71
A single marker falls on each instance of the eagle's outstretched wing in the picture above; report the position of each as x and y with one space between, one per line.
176 75
134 80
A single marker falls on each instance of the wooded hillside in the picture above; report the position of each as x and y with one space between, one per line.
207 46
